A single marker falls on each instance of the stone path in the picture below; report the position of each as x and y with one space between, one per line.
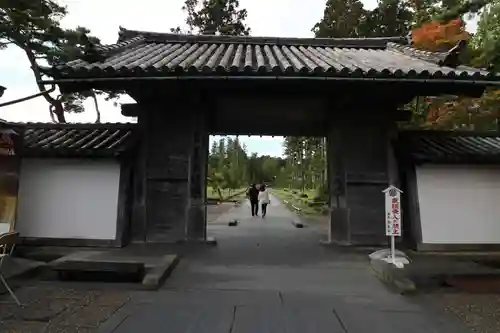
267 276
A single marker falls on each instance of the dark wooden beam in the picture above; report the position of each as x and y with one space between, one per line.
402 115
412 228
131 109
125 197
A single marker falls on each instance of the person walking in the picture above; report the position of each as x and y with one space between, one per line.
253 196
264 199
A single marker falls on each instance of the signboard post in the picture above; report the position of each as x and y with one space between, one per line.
393 217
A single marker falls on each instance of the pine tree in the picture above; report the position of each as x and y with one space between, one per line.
218 17
34 27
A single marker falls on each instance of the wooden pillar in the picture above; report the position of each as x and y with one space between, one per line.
360 167
138 221
170 183
196 223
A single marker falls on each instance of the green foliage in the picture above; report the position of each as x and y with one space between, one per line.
397 17
390 18
486 41
342 18
34 27
230 167
348 19
452 9
322 194
305 162
218 17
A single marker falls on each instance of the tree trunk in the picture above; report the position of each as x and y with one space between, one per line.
56 106
52 114
96 106
219 192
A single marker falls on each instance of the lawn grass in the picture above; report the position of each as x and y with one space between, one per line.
292 198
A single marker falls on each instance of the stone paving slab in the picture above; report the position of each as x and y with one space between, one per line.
177 318
210 297
388 302
249 319
222 317
312 320
362 320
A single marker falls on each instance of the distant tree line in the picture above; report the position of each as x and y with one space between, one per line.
231 167
303 165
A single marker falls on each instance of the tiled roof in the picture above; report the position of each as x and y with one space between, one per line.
439 146
147 54
76 139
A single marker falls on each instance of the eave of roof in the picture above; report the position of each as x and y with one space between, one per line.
449 146
149 55
76 140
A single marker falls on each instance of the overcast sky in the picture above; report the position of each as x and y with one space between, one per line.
284 18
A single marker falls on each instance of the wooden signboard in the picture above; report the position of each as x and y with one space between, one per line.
9 176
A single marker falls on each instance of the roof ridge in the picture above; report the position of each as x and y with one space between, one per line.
120 45
450 58
72 125
151 36
434 57
446 133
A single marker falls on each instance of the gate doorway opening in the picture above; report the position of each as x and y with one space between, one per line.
293 169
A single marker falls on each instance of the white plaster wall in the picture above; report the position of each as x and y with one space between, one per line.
459 204
4 227
63 198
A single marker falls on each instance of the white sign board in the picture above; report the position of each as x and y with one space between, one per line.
392 211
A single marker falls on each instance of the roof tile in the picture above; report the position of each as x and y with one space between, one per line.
441 146
76 139
153 54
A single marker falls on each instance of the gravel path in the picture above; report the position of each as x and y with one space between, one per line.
51 307
479 312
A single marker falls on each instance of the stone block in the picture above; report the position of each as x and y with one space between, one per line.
132 268
393 276
211 241
157 275
87 267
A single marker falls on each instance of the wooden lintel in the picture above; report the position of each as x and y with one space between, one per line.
403 115
131 109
